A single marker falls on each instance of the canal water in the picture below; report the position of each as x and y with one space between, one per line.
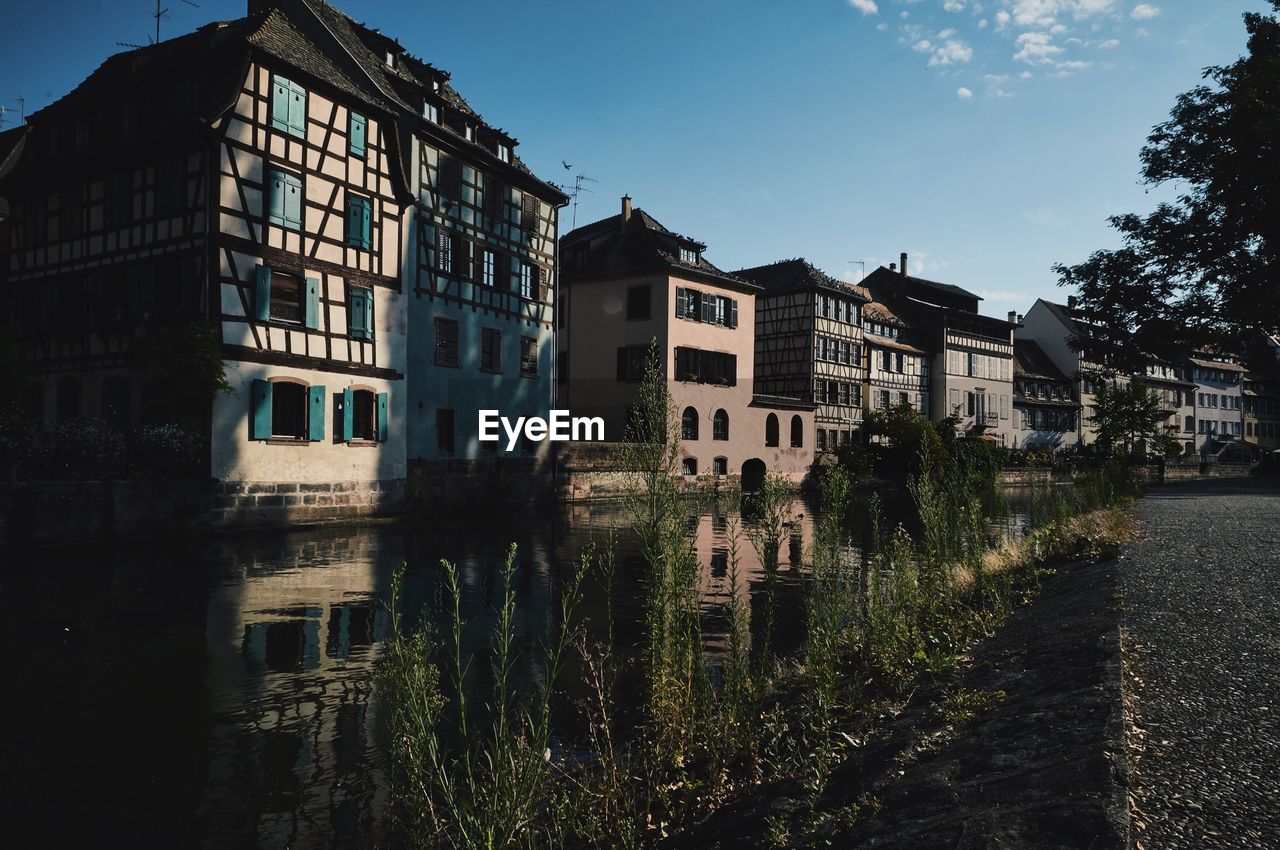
220 694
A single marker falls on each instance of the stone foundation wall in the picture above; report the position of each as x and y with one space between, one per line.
74 512
449 486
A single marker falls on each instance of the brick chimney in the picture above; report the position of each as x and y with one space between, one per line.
1013 317
902 263
626 208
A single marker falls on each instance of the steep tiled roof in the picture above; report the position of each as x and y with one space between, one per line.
408 78
797 275
614 246
1030 361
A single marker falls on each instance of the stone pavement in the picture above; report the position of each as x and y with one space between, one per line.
1201 598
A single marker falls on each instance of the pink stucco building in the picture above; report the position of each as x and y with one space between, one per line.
627 281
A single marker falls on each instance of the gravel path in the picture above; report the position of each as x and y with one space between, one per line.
1202 657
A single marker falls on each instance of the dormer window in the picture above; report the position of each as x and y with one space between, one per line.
391 59
435 85
469 132
688 255
504 152
431 112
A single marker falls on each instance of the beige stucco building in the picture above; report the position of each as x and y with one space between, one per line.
628 281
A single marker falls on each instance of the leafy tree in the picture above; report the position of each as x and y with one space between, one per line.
182 370
1126 414
1200 270
907 436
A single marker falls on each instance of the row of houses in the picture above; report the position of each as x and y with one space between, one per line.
379 265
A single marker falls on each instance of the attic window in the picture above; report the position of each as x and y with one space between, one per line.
504 152
469 132
435 85
431 112
688 255
391 59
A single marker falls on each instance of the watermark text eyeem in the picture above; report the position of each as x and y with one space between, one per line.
560 427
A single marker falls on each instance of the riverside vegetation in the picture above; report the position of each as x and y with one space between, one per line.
708 728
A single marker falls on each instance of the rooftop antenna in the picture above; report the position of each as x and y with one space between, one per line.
862 264
578 188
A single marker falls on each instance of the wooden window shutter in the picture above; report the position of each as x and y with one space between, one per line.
312 306
731 369
260 412
262 294
315 413
382 412
280 104
682 301
733 312
529 213
292 202
622 363
492 196
451 176
297 110
544 284
368 314
348 413
359 130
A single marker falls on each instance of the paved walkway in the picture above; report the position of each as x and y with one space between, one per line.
1202 654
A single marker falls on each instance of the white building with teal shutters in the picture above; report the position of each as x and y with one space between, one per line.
371 288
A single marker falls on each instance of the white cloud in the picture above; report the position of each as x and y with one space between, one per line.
1036 48
951 52
982 24
1143 11
1108 44
946 34
953 5
964 93
922 46
1004 296
1002 18
1025 75
866 7
882 26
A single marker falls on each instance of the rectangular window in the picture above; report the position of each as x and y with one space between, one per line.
289 107
431 112
444 429
631 363
489 272
286 298
360 312
289 410
504 152
359 222
528 357
359 129
285 200
688 255
490 350
526 281
444 251
446 343
639 303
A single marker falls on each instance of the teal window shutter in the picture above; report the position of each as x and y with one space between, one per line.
315 413
313 303
359 129
348 413
297 110
293 202
353 221
275 203
382 417
366 229
368 314
280 96
260 413
262 294
360 313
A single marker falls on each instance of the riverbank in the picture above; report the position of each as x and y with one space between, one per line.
1020 746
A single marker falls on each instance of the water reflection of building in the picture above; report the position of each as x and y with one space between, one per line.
290 652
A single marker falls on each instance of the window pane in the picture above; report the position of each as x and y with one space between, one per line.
286 298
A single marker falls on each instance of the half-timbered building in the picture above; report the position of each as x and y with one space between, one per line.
971 374
629 282
376 260
897 366
809 345
1044 404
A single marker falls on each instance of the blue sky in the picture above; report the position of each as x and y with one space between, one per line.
987 139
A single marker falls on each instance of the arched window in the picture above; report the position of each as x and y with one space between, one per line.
797 432
771 430
689 424
720 466
690 466
720 425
